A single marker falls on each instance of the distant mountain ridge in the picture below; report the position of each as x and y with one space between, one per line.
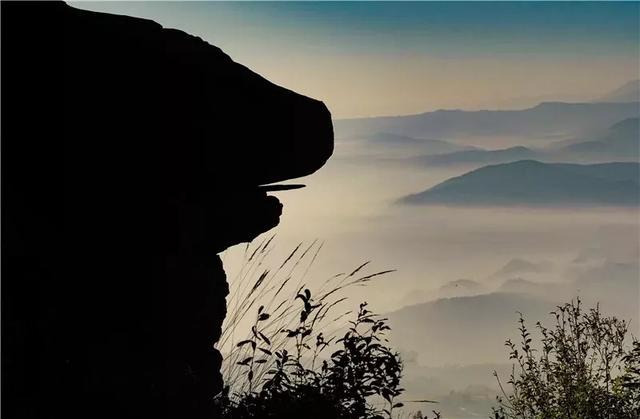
629 92
518 266
543 120
533 183
469 328
620 142
480 156
422 145
473 328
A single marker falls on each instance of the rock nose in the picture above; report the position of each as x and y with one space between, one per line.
321 136
310 142
288 136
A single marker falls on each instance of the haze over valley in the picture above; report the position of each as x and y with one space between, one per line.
476 240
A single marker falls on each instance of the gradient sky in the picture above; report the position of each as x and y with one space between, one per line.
390 58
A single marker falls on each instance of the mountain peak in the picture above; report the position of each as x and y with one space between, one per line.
533 183
628 92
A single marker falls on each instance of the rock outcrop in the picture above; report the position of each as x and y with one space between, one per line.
131 156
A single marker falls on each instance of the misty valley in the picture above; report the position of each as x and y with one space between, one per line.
483 215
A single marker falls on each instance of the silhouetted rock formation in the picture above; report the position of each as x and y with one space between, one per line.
131 156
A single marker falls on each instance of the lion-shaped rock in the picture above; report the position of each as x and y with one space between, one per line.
132 155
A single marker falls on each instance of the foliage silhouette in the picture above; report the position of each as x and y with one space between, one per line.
580 368
299 359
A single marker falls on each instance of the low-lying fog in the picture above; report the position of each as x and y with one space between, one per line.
502 260
350 204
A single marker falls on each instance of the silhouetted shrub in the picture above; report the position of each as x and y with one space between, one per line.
580 368
299 359
339 387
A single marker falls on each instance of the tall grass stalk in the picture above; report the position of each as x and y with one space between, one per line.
264 286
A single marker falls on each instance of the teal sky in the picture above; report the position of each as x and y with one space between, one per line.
372 58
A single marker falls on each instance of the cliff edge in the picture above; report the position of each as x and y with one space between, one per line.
131 155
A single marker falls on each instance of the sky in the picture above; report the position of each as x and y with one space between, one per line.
390 58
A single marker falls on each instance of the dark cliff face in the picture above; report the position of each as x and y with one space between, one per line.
131 156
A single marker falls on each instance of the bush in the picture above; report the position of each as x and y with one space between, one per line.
582 368
340 387
292 364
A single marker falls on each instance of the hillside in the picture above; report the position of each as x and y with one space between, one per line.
530 182
629 92
622 141
463 329
544 120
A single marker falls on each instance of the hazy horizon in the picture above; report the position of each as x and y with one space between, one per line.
385 58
